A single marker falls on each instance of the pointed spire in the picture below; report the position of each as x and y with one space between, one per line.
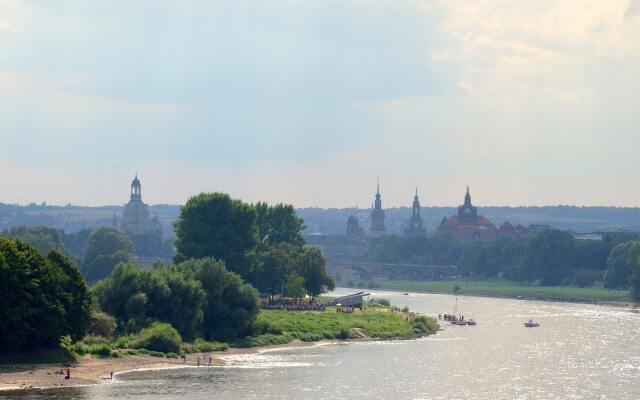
378 187
467 189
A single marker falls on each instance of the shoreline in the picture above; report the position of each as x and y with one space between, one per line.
615 303
88 371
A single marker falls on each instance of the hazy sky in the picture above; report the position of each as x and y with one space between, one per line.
306 102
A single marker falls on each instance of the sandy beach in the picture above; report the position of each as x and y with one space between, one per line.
91 371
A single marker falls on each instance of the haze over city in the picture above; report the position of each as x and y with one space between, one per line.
529 103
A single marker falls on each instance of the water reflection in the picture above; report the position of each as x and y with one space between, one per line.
580 351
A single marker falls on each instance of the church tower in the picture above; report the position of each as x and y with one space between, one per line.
416 223
377 215
467 213
135 215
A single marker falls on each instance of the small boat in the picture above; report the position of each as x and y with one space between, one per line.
531 324
471 322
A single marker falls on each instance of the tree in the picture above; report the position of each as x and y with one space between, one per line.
106 247
41 298
634 278
271 269
619 266
43 238
279 224
231 305
214 225
137 297
548 257
311 266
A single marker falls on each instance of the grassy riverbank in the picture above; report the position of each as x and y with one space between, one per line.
374 323
280 328
502 288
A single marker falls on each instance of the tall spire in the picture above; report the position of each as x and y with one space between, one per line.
378 187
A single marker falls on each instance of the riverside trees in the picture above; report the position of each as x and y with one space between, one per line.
262 243
42 298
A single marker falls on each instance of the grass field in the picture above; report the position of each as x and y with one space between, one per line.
286 326
503 288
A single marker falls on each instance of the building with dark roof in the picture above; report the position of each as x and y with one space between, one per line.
468 225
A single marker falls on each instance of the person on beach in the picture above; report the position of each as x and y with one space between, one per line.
68 374
111 375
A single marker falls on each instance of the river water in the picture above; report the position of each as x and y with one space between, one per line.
580 351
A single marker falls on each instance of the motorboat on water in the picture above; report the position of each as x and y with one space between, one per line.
531 324
471 322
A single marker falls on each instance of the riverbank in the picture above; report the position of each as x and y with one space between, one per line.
287 329
90 370
506 289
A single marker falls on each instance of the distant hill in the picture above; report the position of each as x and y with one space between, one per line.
333 220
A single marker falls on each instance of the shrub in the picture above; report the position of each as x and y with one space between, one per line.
343 334
309 337
159 337
328 335
102 324
100 349
456 289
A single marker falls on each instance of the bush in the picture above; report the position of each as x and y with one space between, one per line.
159 337
456 289
343 334
202 346
379 302
309 337
102 324
423 324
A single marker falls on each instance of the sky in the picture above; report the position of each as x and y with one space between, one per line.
308 102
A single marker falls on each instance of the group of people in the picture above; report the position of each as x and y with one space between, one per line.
451 317
293 306
64 371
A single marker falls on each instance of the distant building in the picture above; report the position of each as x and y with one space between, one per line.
415 226
377 215
468 225
341 248
135 216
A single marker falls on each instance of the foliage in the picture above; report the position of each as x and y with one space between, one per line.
202 346
212 225
618 267
547 257
159 336
43 238
41 298
137 297
279 224
231 305
311 266
102 324
316 325
106 247
634 278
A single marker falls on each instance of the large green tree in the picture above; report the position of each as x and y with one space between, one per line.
619 265
137 297
548 257
42 298
106 247
311 266
231 305
214 225
634 278
279 224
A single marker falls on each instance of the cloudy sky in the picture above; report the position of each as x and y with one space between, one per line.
307 102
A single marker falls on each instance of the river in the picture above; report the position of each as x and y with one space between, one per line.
580 351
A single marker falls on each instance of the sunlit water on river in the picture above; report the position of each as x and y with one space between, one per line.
579 352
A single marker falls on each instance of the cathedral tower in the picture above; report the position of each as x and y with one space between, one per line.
377 215
416 223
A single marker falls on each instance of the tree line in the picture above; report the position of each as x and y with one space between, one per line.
227 252
551 257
